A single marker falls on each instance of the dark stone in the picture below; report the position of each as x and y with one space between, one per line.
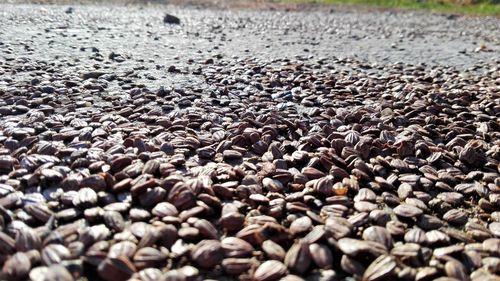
170 19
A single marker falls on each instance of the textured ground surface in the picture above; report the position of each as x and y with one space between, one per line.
267 143
43 32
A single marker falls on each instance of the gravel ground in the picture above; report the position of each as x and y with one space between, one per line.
43 32
252 144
